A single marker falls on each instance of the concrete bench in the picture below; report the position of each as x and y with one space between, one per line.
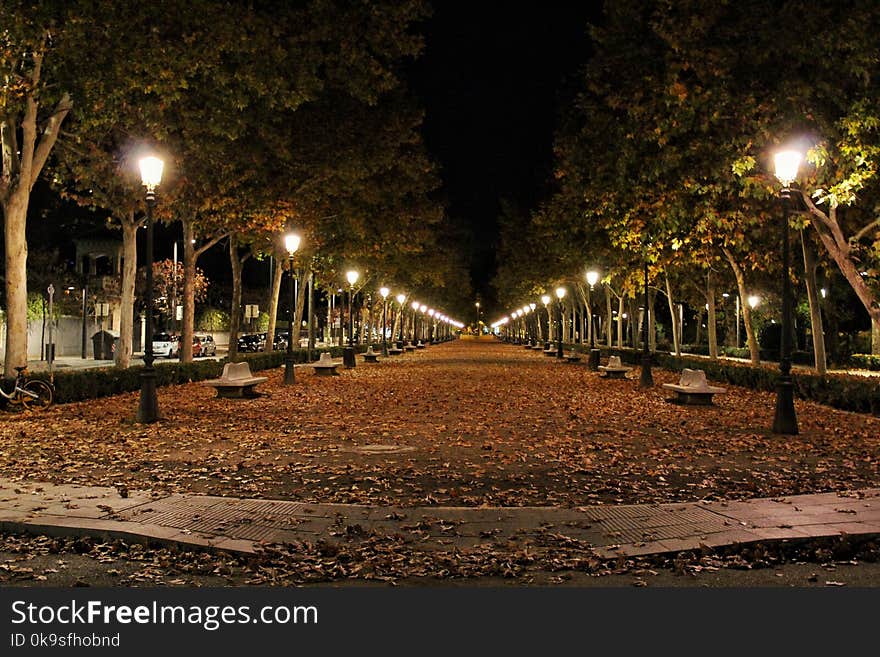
537 347
614 369
394 351
370 356
325 365
692 388
236 381
573 357
420 345
550 352
409 346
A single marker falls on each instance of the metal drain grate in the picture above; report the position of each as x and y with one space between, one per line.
251 519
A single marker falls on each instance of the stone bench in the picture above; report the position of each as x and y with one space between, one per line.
614 369
692 388
409 346
236 381
325 365
394 351
370 356
573 357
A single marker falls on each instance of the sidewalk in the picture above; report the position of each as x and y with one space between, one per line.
243 525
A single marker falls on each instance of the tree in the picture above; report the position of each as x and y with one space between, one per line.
33 106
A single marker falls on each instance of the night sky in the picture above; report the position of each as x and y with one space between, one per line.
491 80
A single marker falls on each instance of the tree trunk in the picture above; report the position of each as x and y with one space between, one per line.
676 330
745 308
189 293
274 297
698 338
235 307
124 345
650 317
609 319
838 247
298 313
816 327
15 215
621 311
710 322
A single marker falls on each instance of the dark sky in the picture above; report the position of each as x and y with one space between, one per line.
490 80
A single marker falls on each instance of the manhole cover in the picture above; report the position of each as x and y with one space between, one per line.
382 449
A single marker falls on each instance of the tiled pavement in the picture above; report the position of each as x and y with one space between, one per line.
242 525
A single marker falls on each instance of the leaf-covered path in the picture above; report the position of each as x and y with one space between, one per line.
462 424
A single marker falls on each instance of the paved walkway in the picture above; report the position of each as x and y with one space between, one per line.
242 525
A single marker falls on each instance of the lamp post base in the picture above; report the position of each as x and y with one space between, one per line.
289 372
148 409
785 420
348 360
595 355
646 380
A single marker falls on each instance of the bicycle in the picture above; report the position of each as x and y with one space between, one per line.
34 394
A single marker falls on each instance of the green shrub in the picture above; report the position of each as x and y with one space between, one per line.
92 383
847 392
866 362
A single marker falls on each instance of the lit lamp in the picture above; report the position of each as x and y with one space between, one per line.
785 420
479 332
384 292
560 295
291 244
592 279
348 352
148 409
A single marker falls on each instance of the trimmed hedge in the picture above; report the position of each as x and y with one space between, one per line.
844 391
866 362
92 383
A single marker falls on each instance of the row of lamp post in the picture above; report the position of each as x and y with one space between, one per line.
787 163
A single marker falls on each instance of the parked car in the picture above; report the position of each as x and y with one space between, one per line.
196 346
249 342
209 347
280 342
166 344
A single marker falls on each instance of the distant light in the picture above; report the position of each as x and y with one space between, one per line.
592 277
415 305
823 292
545 299
384 292
560 293
423 308
754 301
352 277
725 295
532 306
401 298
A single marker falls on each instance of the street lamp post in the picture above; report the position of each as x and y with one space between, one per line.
479 332
592 279
401 317
348 359
384 292
545 299
646 380
560 295
785 419
291 244
148 409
